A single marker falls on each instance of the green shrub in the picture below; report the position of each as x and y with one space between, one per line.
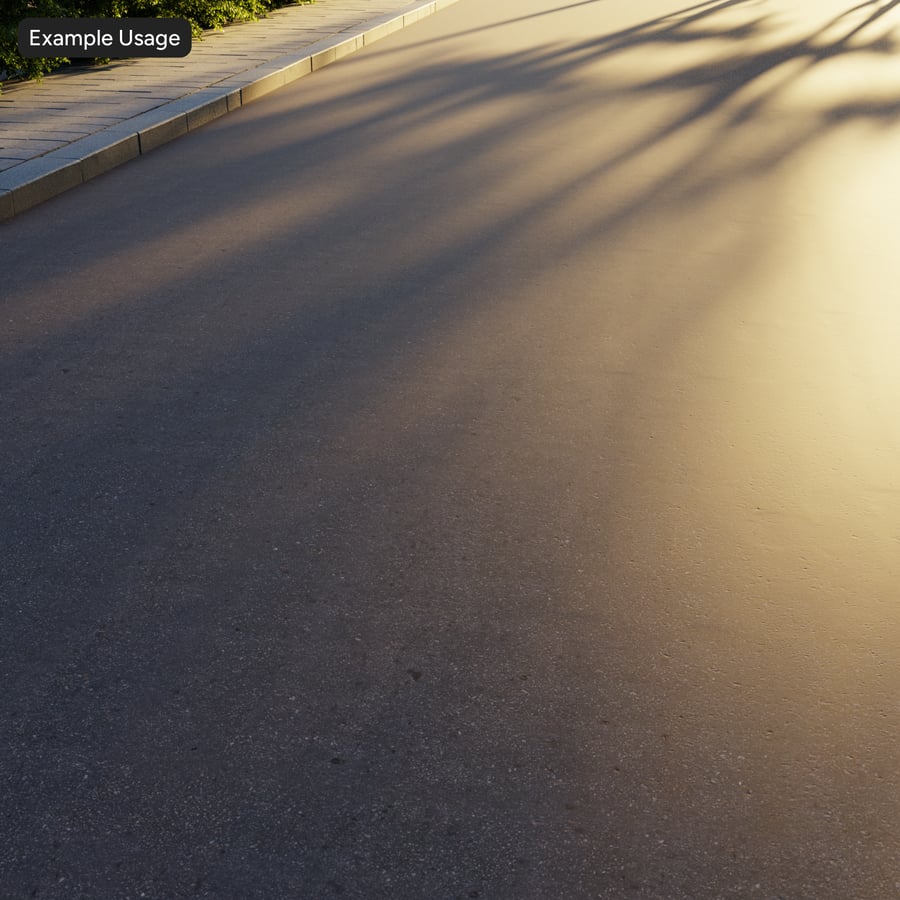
200 13
15 11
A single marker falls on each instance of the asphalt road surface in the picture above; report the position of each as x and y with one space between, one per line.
472 471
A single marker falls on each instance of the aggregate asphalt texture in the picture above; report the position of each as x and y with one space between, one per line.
470 472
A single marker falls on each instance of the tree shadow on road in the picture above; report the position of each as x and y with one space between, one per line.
224 478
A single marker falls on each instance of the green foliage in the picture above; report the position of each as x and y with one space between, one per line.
14 12
200 13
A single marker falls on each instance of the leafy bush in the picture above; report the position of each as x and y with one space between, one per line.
200 13
15 11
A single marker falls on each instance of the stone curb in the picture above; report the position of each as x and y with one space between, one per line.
26 185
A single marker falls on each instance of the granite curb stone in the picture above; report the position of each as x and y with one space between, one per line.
32 182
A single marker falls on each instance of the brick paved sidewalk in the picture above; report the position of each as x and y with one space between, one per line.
78 123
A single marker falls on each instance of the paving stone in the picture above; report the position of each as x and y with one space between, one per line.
82 121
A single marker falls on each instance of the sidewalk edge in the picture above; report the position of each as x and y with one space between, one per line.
37 180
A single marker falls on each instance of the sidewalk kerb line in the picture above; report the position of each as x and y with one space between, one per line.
36 180
98 155
7 210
